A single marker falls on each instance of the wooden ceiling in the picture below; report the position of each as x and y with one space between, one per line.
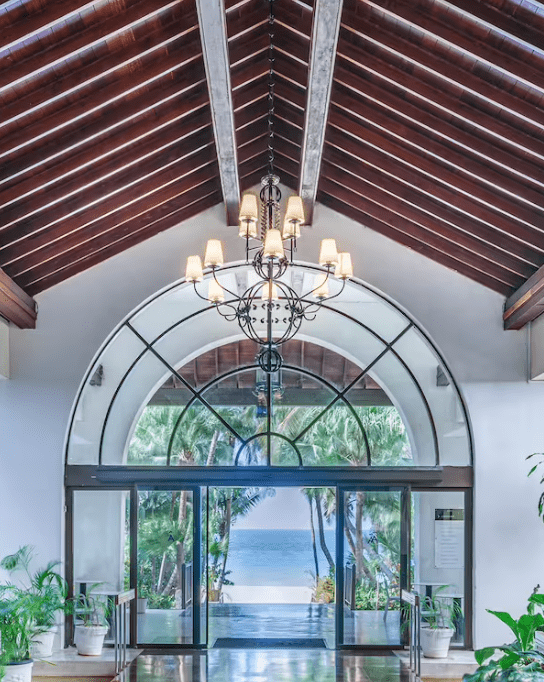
432 133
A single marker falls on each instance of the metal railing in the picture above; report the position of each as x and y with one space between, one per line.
186 585
121 603
349 587
412 598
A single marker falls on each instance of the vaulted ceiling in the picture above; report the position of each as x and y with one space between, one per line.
420 119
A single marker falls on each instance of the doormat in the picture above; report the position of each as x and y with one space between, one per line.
268 643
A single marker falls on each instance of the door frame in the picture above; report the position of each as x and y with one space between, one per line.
405 558
84 477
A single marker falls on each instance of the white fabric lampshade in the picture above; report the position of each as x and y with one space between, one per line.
213 257
193 271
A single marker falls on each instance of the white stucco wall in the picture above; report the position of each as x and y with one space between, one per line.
462 317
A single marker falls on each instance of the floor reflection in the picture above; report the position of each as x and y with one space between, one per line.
266 665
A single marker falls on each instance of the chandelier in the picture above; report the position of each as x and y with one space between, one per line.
270 312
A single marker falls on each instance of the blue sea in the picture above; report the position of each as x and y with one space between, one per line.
276 557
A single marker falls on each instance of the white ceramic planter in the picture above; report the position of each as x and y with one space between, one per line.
89 639
435 642
18 672
141 604
42 644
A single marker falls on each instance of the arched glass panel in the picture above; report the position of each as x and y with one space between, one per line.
128 385
333 438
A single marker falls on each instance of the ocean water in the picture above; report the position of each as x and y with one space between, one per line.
276 557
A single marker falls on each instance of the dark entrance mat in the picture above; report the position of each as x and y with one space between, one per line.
268 643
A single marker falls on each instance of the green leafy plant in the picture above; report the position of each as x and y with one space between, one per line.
517 661
91 609
532 470
45 589
16 625
439 611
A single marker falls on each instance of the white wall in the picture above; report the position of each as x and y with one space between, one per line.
463 318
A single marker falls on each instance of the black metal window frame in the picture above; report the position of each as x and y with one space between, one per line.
129 478
430 480
149 346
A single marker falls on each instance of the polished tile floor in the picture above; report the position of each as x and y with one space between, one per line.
271 620
266 665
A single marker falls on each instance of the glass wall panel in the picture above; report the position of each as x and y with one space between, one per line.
102 383
438 552
444 401
335 439
402 389
372 564
101 544
165 566
126 406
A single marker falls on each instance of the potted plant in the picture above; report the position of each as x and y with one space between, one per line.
141 600
16 633
438 617
45 591
92 612
518 661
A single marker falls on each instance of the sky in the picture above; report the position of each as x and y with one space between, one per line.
287 510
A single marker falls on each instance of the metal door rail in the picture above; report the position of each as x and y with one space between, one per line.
120 627
413 600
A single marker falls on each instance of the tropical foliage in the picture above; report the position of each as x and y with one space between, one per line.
324 437
517 661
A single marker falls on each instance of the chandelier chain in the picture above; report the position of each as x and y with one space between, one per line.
271 87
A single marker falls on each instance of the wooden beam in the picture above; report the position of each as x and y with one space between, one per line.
525 304
325 30
15 304
213 34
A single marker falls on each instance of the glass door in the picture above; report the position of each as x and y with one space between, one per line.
373 544
165 566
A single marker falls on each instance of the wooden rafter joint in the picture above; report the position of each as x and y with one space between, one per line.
525 304
16 305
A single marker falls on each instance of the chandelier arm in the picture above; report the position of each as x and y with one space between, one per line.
309 293
220 307
231 293
200 295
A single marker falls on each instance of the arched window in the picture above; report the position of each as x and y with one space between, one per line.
362 385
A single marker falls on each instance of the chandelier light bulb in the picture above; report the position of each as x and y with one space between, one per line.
344 268
249 216
291 229
193 271
273 245
270 292
214 254
294 218
328 255
322 289
215 292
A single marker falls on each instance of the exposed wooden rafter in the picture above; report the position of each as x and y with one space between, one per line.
326 25
16 305
213 33
527 303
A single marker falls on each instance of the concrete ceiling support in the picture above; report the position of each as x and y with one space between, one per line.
325 31
213 34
